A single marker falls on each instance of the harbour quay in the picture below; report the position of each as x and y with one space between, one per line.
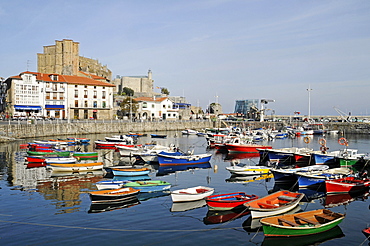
18 130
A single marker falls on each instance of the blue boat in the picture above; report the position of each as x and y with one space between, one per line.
127 171
149 186
313 179
165 170
324 159
180 158
287 175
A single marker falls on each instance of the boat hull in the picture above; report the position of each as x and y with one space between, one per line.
346 185
191 194
228 201
149 186
75 167
320 223
130 171
171 160
111 196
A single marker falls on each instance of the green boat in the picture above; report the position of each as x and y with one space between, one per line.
149 186
85 155
52 153
301 224
350 157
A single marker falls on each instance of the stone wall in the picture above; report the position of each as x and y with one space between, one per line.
39 130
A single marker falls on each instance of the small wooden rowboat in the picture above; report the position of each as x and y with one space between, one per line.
228 201
60 160
149 186
191 194
346 185
301 224
85 155
110 184
128 171
53 153
276 203
115 195
75 167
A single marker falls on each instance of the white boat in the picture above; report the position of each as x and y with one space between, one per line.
60 160
110 184
150 154
191 194
120 138
75 167
189 132
127 150
245 169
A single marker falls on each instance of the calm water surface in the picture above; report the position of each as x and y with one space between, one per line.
41 208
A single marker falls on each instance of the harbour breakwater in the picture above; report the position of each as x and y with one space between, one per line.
9 132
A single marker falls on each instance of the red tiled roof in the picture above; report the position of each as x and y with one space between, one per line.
75 80
150 99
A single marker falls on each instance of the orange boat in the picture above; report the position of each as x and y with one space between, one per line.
274 204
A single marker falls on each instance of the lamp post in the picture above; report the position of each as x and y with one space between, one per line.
309 102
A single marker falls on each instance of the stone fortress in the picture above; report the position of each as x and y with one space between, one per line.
63 58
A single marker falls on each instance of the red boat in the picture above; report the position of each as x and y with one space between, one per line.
238 146
100 144
35 159
366 232
346 185
228 201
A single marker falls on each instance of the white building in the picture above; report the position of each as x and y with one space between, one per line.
152 108
60 96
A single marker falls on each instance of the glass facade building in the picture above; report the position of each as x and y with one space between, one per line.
248 108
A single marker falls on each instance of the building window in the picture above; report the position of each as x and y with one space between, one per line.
164 106
76 103
145 105
103 95
55 96
47 84
85 86
47 95
153 105
95 94
103 104
76 86
86 104
55 87
76 93
95 104
85 93
61 96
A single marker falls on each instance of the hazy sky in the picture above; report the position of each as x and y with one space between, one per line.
208 51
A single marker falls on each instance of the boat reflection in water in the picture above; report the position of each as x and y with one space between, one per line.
81 173
248 178
236 156
185 206
165 170
333 200
105 207
311 195
218 216
253 225
131 178
143 196
314 239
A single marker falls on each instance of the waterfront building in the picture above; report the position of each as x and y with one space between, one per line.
34 94
156 108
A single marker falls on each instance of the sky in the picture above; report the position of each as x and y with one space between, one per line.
210 50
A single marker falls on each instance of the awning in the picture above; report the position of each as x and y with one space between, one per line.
54 106
25 107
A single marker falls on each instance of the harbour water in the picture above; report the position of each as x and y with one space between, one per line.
41 208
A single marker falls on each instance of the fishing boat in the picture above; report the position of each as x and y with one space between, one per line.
81 140
129 171
287 174
149 186
228 201
120 138
245 169
75 167
301 224
346 185
311 179
239 146
85 155
127 150
180 158
273 204
191 194
350 157
150 153
110 184
366 232
115 195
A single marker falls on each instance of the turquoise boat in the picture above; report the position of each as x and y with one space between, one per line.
301 224
149 186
